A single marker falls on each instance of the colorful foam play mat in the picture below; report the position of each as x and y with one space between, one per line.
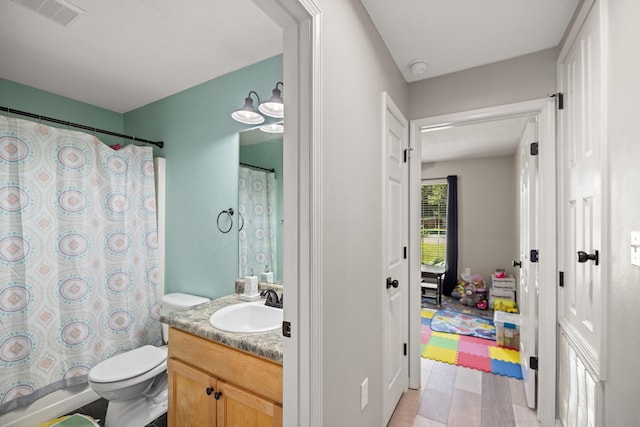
468 351
453 322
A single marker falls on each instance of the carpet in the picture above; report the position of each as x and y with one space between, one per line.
468 351
453 322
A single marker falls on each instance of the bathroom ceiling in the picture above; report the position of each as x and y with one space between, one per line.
123 54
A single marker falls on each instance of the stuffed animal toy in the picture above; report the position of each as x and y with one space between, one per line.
458 291
470 297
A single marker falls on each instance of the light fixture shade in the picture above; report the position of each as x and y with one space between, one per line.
248 113
274 107
273 127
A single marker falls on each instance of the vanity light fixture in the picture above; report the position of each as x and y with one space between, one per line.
277 127
248 113
274 107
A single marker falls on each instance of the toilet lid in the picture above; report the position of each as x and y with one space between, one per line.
128 365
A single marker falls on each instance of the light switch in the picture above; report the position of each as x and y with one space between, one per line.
635 248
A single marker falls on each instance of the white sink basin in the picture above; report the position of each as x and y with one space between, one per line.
247 317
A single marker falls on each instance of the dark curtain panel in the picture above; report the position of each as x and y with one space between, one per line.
451 272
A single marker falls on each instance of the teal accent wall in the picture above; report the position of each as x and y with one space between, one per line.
268 154
202 174
26 98
202 152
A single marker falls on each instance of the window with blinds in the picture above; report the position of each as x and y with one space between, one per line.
433 224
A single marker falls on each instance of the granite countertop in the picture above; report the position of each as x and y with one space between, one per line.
195 321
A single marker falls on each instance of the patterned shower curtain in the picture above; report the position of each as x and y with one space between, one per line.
78 257
257 237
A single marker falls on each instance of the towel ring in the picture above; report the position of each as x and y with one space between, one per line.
241 224
229 212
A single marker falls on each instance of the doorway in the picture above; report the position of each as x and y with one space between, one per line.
544 110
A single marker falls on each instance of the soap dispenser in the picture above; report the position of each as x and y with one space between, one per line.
267 276
250 288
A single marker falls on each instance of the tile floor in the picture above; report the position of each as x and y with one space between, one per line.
453 396
98 409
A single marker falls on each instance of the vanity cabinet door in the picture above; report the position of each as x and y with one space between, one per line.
191 396
240 408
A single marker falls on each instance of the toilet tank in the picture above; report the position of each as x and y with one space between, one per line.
177 301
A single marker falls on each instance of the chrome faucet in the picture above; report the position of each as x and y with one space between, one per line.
272 299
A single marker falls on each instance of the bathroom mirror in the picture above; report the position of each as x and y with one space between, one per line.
260 203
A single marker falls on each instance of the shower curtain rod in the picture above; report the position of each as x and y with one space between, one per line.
159 144
258 167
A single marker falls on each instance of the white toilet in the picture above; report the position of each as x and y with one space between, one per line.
135 382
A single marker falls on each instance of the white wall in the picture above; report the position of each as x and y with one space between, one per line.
356 69
487 219
621 406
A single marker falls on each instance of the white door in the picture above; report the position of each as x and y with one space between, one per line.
395 280
580 300
529 271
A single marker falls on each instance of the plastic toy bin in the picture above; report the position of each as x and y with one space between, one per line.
507 329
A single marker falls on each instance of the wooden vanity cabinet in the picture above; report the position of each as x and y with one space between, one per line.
214 385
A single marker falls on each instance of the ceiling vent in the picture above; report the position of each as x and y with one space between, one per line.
59 11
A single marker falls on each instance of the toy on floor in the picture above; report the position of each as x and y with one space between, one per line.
478 283
470 298
501 304
458 291
483 305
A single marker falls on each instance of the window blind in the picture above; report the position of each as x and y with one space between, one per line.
433 224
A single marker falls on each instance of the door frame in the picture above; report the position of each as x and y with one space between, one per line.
301 23
545 108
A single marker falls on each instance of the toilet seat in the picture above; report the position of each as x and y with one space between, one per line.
128 365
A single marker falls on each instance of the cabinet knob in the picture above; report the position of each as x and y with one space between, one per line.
209 390
217 395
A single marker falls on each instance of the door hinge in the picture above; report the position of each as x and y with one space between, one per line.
560 97
286 329
561 279
404 348
404 252
534 149
533 255
533 363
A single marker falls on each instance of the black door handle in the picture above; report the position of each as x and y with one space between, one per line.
209 390
217 395
391 283
516 264
584 257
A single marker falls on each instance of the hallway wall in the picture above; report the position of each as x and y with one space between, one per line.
524 78
623 287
